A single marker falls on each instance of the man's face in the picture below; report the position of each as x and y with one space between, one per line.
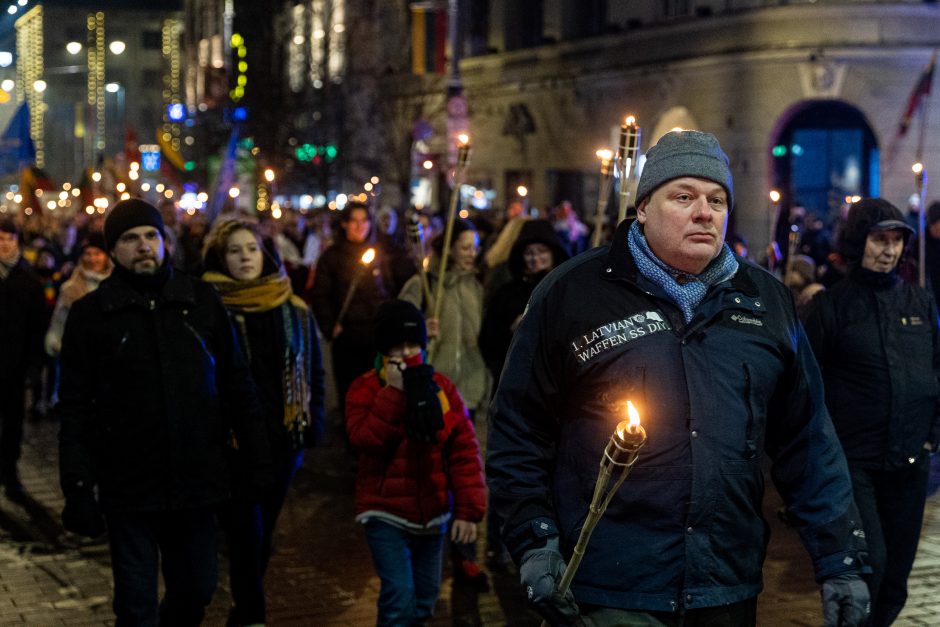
357 225
9 242
684 221
883 250
139 249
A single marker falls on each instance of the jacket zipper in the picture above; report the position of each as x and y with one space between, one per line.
751 452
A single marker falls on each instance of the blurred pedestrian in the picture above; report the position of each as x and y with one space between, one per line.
536 253
419 466
154 391
22 324
352 342
932 248
455 334
94 266
800 277
278 336
572 233
878 345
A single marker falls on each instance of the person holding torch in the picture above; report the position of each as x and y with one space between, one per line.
709 350
348 288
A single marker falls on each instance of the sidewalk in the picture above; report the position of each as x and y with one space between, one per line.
321 573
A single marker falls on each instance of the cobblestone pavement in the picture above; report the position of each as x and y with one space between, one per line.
321 573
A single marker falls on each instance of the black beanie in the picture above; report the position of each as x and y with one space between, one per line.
868 215
397 322
93 240
129 214
7 225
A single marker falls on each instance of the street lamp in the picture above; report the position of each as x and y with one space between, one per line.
7 85
73 47
117 46
40 85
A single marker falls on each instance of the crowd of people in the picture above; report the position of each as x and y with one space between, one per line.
185 362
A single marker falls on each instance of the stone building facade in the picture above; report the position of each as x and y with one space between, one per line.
754 73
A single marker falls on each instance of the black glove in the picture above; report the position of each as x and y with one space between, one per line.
82 515
540 571
845 601
423 415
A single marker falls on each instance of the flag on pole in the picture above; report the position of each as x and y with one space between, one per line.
921 89
914 102
428 38
32 181
16 144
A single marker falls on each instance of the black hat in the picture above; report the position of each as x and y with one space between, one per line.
397 322
92 240
7 225
129 214
535 232
868 215
933 213
460 225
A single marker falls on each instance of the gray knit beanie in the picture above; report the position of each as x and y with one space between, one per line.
685 153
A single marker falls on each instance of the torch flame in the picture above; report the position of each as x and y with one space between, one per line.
425 263
630 121
634 416
464 139
368 256
604 154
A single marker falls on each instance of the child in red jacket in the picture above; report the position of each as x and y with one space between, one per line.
419 466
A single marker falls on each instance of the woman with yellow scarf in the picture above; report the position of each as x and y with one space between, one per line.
277 333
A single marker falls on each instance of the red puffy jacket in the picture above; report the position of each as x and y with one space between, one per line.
413 480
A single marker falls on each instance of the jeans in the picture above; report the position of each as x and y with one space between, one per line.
891 505
409 567
742 614
185 543
249 525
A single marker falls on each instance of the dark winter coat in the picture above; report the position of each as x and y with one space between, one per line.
509 300
879 350
715 395
22 324
336 270
153 389
412 480
262 338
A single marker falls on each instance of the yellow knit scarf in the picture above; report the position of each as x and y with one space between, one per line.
263 294
254 296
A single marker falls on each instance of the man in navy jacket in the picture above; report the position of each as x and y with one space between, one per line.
709 348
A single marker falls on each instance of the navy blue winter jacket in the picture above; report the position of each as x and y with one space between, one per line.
716 395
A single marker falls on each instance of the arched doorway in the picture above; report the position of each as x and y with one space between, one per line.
823 152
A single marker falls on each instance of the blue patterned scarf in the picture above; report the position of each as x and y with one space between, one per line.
688 295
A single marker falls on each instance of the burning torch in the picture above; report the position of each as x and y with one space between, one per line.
365 261
621 452
416 239
607 179
463 156
626 157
